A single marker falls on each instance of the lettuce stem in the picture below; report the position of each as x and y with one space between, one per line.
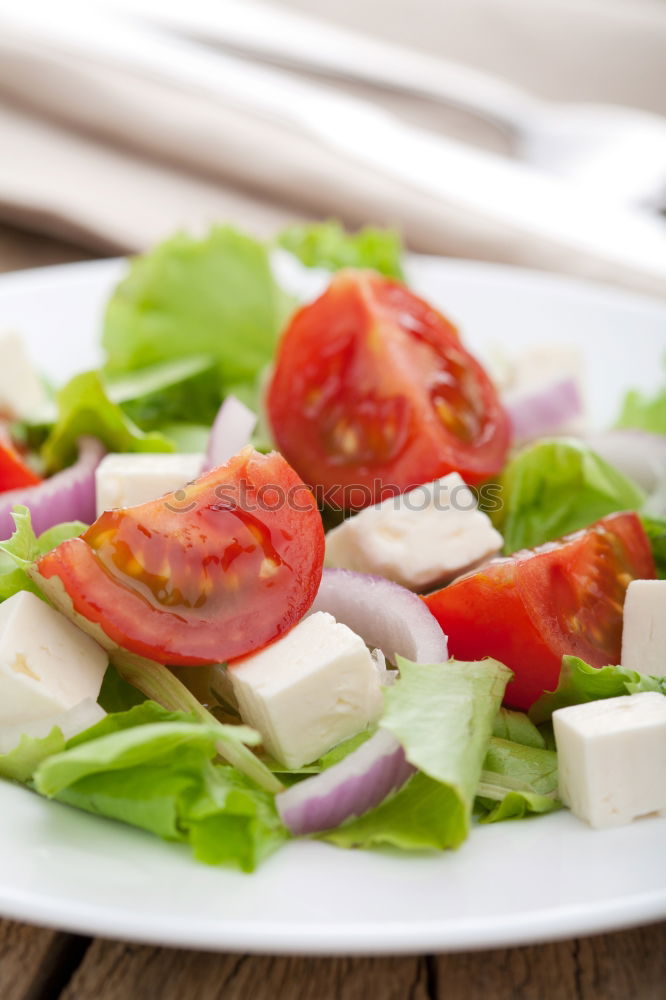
159 684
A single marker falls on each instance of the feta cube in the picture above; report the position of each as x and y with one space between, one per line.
612 758
309 690
534 367
644 627
419 539
542 388
22 392
127 480
47 665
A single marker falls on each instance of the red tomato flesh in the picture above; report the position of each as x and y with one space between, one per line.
372 389
205 574
14 473
529 610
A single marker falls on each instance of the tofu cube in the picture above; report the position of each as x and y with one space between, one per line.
420 539
309 690
127 480
644 627
612 758
22 392
47 665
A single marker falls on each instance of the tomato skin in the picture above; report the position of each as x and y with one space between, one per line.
372 388
531 609
202 575
14 473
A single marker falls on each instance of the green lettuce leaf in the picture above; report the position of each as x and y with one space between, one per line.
519 805
329 245
655 529
160 776
535 767
162 685
343 749
116 695
24 547
579 683
182 390
14 580
154 743
233 822
214 296
186 438
85 408
517 727
145 713
333 756
443 716
557 486
646 413
179 399
21 763
548 734
517 781
423 815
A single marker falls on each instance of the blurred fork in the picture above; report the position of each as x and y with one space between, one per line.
617 152
491 193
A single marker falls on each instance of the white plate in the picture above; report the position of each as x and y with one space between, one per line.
509 884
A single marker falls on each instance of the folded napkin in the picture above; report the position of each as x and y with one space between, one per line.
565 50
117 159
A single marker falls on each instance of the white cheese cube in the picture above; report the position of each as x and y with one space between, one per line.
612 758
535 366
419 539
47 664
309 690
22 392
541 382
644 627
127 480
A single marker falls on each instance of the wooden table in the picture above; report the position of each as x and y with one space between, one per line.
37 964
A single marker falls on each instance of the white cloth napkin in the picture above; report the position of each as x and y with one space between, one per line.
577 50
118 161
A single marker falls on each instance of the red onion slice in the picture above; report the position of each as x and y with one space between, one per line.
384 614
67 496
350 788
640 455
231 431
546 409
71 722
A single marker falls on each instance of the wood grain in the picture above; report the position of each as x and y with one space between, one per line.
35 964
627 966
112 971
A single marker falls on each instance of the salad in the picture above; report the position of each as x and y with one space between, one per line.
311 569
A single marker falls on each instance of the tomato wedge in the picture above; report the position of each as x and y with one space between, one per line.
529 610
14 473
203 575
373 393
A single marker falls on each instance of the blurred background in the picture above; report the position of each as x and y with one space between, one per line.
529 132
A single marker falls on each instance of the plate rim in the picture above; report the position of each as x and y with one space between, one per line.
408 937
551 280
403 938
